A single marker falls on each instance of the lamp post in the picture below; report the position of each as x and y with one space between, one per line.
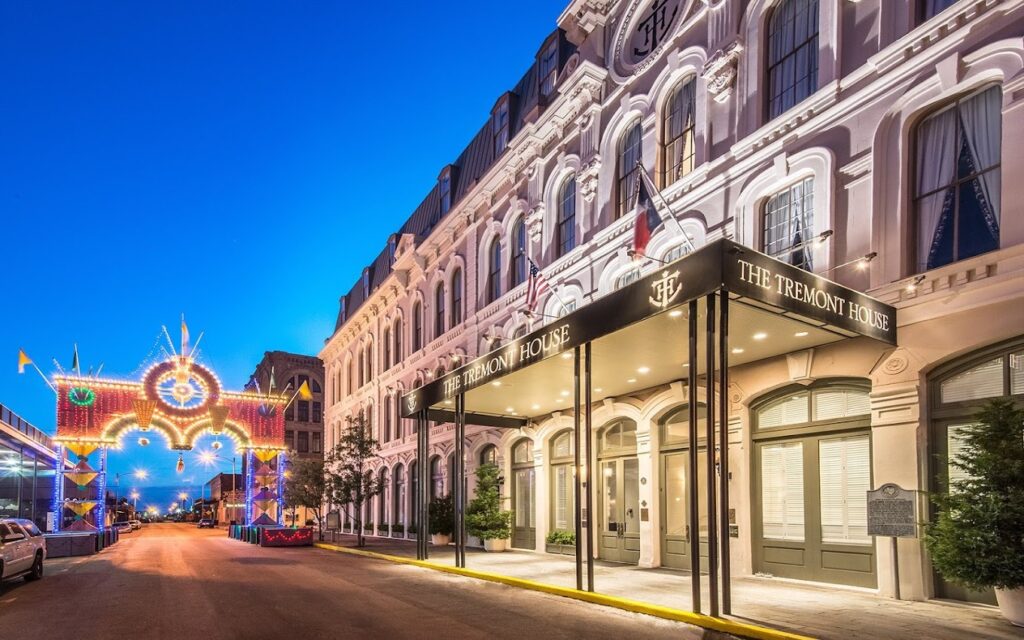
135 501
208 458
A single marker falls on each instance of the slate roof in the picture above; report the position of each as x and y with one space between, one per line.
471 165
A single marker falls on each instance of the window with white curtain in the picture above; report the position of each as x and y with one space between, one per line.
630 155
494 271
958 180
677 133
792 54
789 224
981 381
562 483
782 491
567 216
845 475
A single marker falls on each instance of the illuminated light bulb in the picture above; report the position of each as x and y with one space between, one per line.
760 335
675 313
643 370
631 380
800 334
143 442
216 445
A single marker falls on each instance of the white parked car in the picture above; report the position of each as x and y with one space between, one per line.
22 549
136 525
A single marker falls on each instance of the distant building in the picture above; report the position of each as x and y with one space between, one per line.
303 420
27 462
226 493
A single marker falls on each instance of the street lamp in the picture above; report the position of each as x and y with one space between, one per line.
141 474
208 459
135 500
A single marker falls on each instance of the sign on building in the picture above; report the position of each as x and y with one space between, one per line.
892 512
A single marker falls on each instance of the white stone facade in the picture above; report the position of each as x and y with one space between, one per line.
881 67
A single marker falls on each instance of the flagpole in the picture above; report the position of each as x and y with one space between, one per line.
169 341
554 290
43 376
195 347
650 185
59 368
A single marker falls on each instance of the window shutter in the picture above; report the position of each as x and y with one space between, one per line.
840 403
790 410
983 381
845 476
563 500
782 491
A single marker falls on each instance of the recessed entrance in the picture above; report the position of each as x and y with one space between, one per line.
524 530
620 493
675 473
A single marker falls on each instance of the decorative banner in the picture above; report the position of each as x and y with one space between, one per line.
265 455
143 411
80 525
81 508
80 478
218 415
80 449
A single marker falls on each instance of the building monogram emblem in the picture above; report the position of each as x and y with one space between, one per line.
410 402
655 27
666 288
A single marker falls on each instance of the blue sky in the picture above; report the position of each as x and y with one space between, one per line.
239 162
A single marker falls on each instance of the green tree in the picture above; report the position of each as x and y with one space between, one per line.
977 540
305 485
350 478
484 516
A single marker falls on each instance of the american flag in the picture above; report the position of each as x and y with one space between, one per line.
535 286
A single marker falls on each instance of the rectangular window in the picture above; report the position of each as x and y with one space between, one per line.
303 446
289 438
318 412
446 193
499 126
932 8
289 415
782 491
957 188
789 225
792 54
316 443
303 406
564 505
548 68
955 441
845 476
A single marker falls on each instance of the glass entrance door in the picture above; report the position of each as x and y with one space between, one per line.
675 505
620 510
524 531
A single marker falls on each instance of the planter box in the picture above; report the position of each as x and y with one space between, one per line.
563 549
286 537
397 534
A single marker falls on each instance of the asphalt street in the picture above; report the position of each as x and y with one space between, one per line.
176 581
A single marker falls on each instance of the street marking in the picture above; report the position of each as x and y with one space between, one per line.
742 629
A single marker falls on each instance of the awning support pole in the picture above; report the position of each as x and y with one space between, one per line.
578 472
459 480
422 464
589 435
693 493
709 437
723 439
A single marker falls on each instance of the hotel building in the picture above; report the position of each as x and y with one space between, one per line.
865 142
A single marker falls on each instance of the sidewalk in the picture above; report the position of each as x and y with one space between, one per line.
825 612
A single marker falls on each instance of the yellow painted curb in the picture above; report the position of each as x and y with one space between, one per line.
741 629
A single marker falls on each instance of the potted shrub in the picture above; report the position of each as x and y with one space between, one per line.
411 531
397 531
484 516
561 541
382 529
368 527
442 520
976 540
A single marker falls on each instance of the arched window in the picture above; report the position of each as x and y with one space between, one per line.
436 478
457 297
349 378
369 421
489 455
788 224
812 470
382 502
957 203
562 485
630 156
792 54
362 367
567 216
399 421
494 271
369 359
522 452
398 341
386 349
439 311
398 499
518 253
677 133
628 277
417 326
386 413
619 435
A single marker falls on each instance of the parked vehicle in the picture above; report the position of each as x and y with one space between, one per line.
122 527
135 524
205 523
22 549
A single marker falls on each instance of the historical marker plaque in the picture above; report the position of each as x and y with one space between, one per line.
892 512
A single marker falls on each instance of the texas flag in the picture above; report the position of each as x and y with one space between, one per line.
648 220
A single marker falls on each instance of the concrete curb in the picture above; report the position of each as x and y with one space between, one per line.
740 629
